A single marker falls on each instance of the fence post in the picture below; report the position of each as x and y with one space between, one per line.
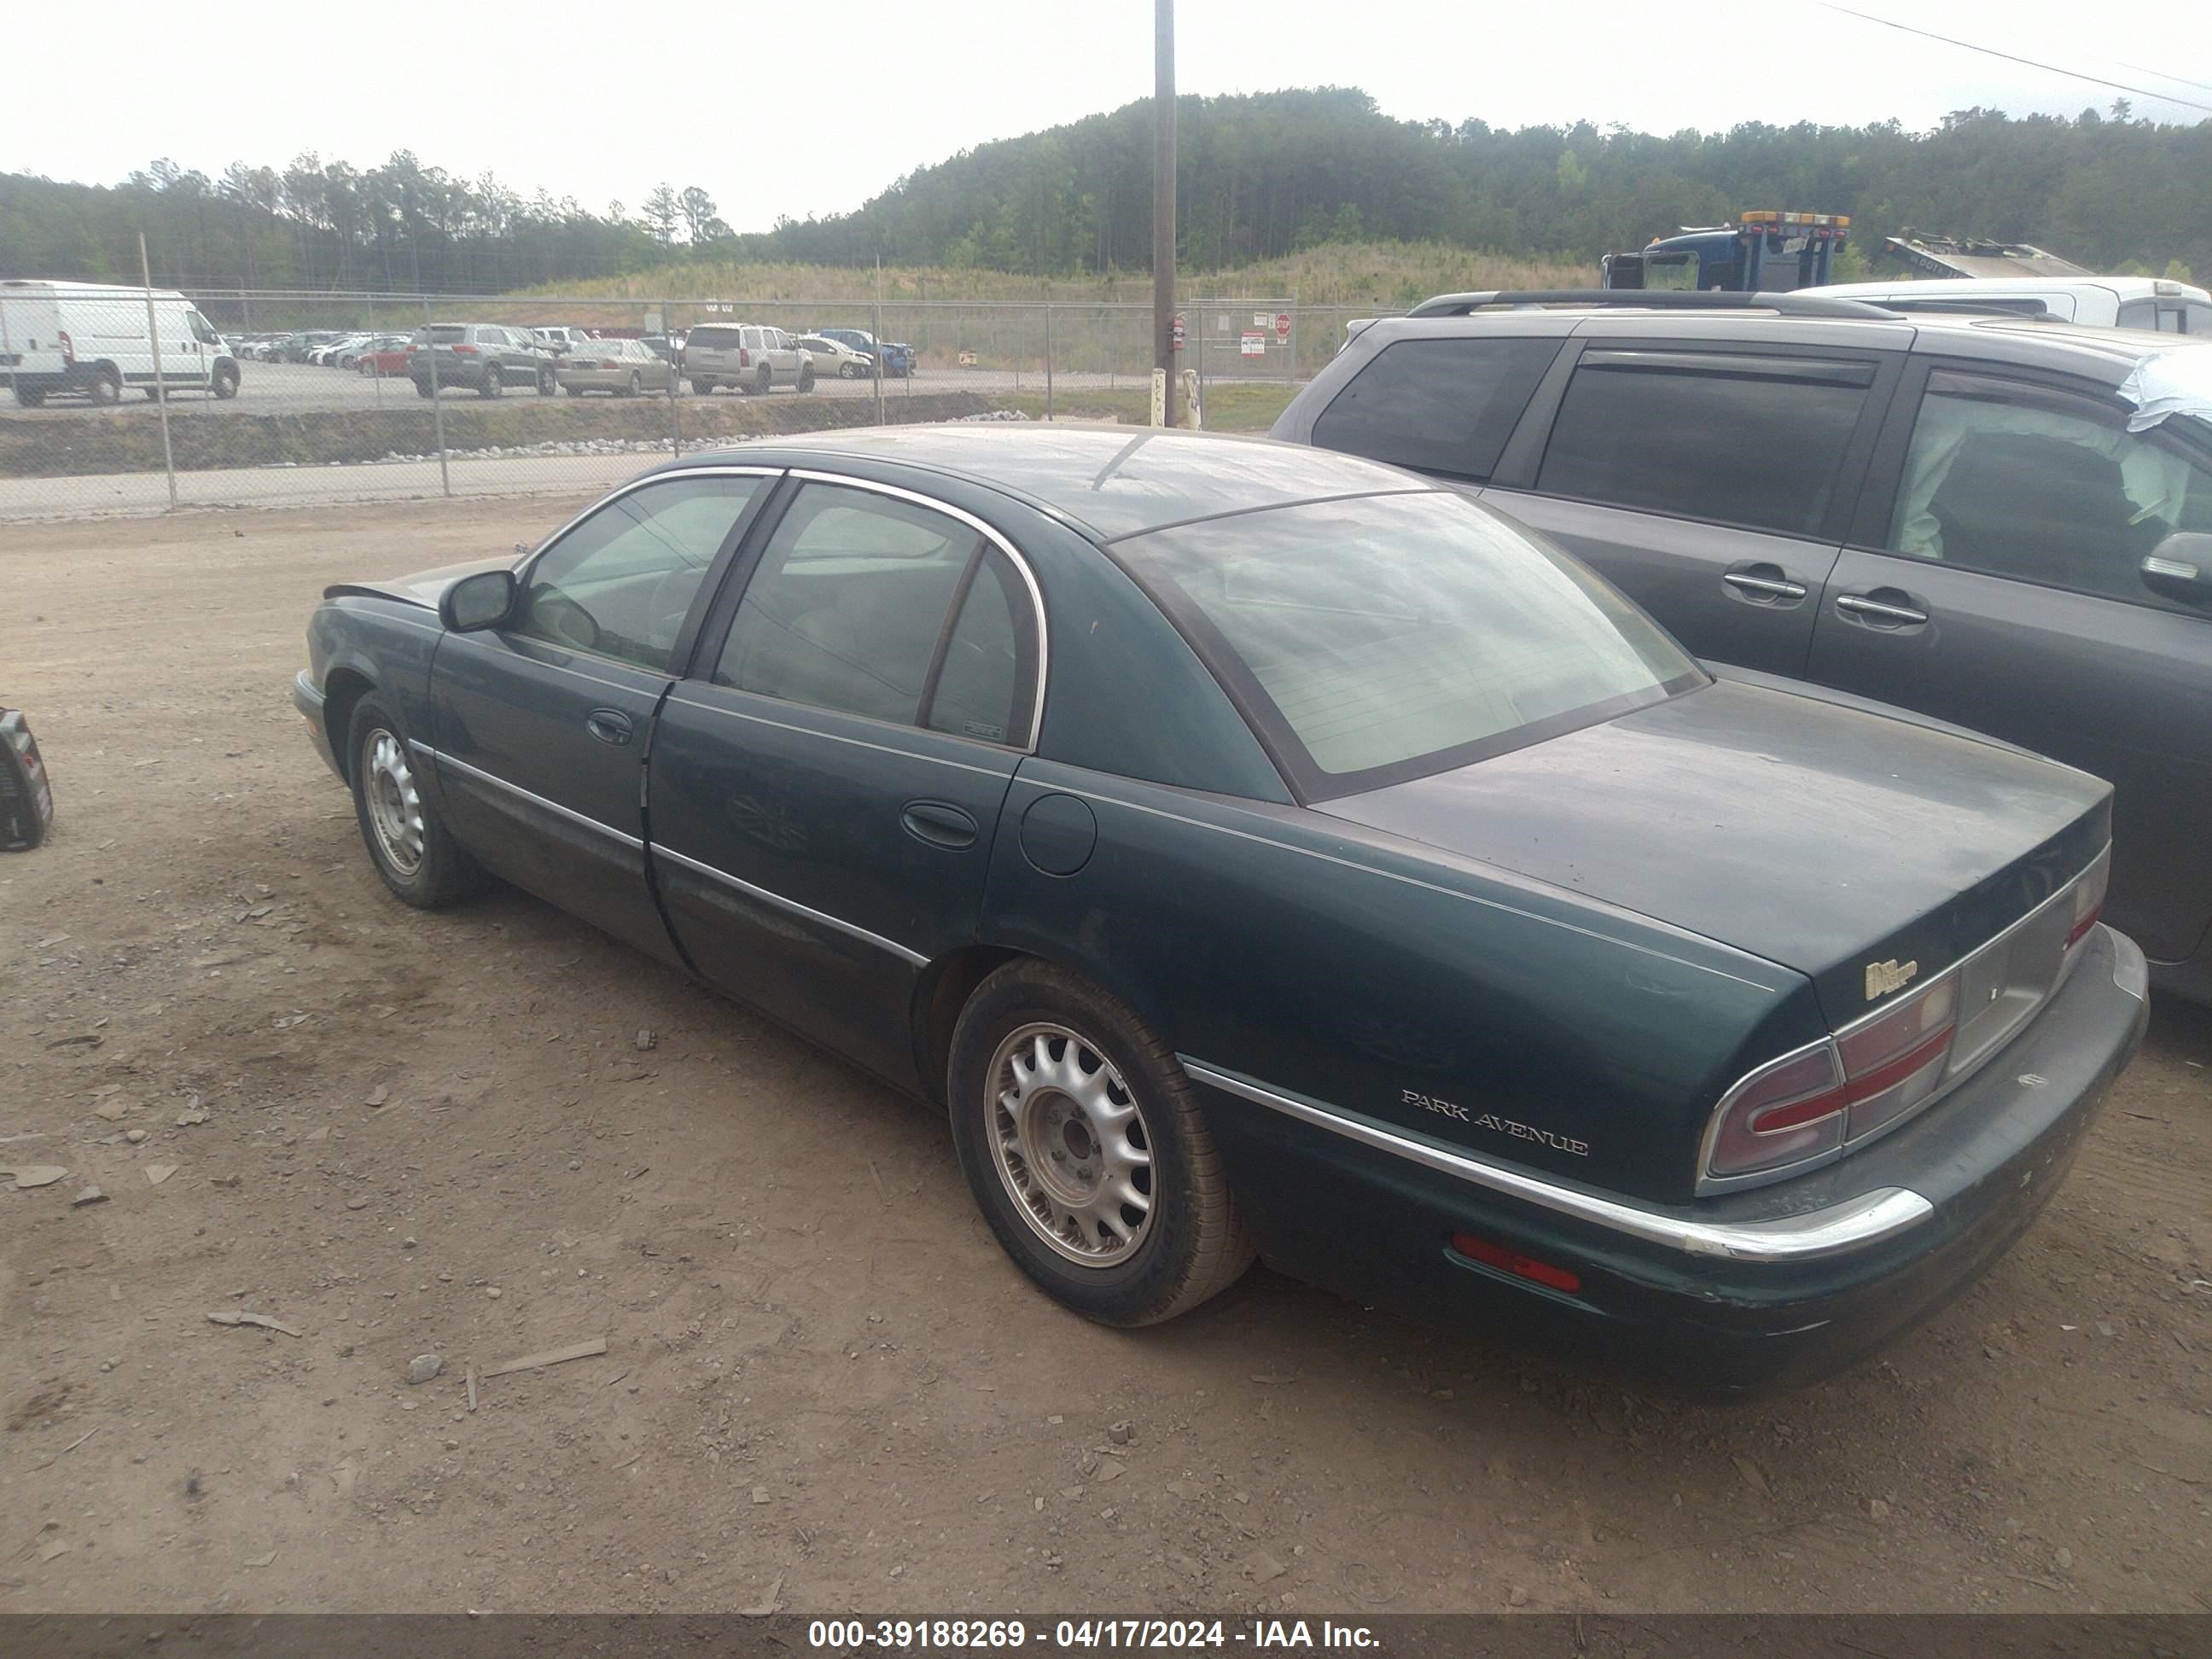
675 380
161 391
876 319
1047 362
1294 337
376 389
437 403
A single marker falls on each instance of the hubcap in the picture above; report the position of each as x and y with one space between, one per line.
1071 1146
395 808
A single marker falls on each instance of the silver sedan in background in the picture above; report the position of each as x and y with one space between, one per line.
835 357
622 368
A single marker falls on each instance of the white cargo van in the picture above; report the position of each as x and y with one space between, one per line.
92 340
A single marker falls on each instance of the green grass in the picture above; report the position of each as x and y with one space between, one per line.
1226 408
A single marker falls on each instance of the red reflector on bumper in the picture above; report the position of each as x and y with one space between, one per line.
1512 1261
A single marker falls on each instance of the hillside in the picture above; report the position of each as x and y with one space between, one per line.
1269 185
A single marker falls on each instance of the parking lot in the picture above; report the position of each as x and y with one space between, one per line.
492 1133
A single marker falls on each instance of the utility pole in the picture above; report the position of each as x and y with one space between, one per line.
1163 203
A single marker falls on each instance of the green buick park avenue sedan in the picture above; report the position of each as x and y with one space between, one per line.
1260 851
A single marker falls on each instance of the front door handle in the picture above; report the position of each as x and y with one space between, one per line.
939 825
608 725
1879 613
1776 586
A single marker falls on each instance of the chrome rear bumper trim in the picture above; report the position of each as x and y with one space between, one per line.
1860 1222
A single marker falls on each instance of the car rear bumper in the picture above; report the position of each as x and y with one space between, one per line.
1775 1286
309 701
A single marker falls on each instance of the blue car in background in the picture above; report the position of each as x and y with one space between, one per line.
897 356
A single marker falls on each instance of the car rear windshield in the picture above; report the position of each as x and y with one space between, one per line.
443 333
712 339
1383 637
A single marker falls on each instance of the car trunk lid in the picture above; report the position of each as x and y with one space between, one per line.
1866 851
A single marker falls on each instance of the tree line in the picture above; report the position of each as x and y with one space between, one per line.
1259 176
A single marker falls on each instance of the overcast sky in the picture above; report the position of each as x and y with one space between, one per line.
809 109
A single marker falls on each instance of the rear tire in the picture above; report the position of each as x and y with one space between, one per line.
421 863
701 388
764 382
636 383
31 397
1062 1099
106 387
548 382
494 382
575 392
806 378
422 388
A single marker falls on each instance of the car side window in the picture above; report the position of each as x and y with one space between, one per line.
1734 439
2031 480
620 582
849 611
1444 406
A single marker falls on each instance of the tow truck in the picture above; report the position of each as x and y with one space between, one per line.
1764 251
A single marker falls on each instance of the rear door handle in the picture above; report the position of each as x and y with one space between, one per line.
1764 587
1878 612
608 725
939 825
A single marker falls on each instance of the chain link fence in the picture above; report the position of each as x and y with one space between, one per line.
131 400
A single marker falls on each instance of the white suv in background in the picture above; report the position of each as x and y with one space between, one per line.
750 356
2153 303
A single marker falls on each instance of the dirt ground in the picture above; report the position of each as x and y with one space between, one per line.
824 1387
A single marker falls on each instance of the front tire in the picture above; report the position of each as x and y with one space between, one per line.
1084 1148
636 385
226 385
806 378
547 383
495 383
421 863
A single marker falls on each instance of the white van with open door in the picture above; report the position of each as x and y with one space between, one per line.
92 339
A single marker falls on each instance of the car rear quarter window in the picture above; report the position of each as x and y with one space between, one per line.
1444 406
869 605
1757 441
1384 636
2031 480
712 339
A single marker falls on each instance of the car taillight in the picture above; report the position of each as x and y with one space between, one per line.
68 348
464 351
2089 902
745 358
1807 1104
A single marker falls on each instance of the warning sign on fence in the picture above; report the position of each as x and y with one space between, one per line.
1255 342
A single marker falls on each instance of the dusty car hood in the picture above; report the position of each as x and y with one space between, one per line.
1820 837
424 587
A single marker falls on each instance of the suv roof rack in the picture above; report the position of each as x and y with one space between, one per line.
1645 299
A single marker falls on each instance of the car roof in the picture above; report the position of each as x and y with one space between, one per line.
1112 481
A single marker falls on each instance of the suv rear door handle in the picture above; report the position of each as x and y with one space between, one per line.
1776 586
1879 612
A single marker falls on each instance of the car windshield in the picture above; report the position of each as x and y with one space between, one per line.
1383 637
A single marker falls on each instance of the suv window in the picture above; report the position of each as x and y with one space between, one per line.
620 582
2047 485
848 608
1757 441
1442 405
709 339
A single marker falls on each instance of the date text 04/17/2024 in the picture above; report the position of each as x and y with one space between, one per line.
920 1635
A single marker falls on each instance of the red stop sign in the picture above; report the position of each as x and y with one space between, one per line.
1282 325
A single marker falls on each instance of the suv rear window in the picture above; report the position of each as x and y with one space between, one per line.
1733 438
443 333
1444 406
1388 636
712 339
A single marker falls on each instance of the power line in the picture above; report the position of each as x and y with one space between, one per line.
2014 57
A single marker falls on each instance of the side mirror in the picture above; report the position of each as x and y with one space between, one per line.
483 601
2181 568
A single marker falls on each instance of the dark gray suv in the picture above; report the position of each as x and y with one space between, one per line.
485 358
2002 523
